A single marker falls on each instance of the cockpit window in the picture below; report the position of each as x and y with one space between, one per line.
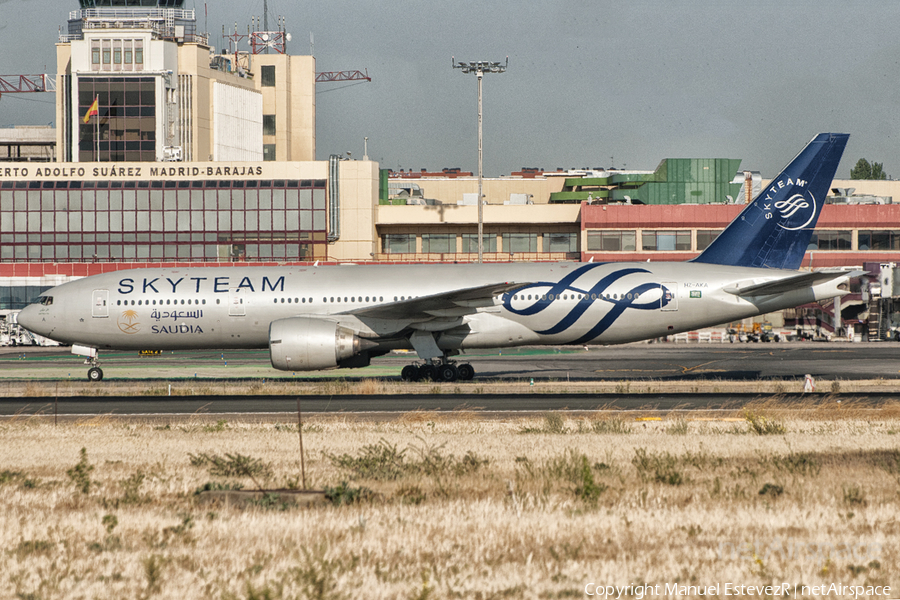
45 300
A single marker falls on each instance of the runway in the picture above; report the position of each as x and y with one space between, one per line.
642 376
384 404
660 362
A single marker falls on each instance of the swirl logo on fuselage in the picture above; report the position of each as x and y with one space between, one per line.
616 304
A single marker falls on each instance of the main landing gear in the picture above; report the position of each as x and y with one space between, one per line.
443 371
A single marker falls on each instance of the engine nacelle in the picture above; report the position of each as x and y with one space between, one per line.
304 344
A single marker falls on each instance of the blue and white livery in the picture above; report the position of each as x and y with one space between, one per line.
320 317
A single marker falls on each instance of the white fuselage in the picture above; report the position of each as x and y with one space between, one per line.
558 303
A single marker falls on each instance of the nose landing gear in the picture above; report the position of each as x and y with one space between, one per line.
95 374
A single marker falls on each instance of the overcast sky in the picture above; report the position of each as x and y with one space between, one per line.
589 84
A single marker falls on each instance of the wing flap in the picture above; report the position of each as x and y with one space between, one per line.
787 284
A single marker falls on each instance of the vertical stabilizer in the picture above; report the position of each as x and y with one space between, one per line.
774 230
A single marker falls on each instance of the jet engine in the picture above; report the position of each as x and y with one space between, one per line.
305 344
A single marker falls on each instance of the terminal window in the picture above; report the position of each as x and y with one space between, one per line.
519 242
87 221
830 240
666 240
705 237
470 242
268 124
125 128
397 243
443 243
611 241
267 75
879 240
561 242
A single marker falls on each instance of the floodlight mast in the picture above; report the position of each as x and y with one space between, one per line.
480 67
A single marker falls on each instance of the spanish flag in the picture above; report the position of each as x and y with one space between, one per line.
93 110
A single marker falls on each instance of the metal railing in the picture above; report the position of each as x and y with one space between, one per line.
132 14
162 21
467 257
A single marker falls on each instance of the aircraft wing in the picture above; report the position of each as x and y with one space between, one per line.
787 284
455 303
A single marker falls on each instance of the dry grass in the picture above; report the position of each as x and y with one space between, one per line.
455 507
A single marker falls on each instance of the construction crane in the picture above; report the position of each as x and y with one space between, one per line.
326 76
18 84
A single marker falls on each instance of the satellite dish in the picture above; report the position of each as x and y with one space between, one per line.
265 37
287 36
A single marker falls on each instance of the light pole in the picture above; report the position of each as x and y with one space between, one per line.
480 68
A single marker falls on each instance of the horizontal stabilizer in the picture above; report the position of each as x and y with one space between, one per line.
788 284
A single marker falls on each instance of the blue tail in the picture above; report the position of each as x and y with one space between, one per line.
774 229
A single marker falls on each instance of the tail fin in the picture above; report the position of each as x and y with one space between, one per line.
775 228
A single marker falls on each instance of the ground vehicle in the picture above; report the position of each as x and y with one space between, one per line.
757 332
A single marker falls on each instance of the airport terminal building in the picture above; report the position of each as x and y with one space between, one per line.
168 152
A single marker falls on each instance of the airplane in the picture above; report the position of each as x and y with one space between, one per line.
316 317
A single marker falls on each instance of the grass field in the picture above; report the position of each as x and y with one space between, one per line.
453 506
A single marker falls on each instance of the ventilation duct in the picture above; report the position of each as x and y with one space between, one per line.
334 199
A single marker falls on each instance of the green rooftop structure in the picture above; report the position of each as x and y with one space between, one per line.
675 181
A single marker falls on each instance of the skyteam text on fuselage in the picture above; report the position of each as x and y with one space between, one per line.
319 317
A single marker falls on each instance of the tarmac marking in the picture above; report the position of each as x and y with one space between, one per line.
635 370
686 370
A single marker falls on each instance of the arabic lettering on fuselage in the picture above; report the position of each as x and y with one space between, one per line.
596 293
160 315
196 285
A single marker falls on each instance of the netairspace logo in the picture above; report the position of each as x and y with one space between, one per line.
783 549
669 590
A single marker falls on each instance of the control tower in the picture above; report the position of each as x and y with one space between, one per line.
162 93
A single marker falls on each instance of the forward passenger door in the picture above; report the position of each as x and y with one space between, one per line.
100 303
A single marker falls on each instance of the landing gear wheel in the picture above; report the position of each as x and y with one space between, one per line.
448 372
427 373
410 373
466 372
95 374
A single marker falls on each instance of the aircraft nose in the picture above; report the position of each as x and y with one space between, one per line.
28 318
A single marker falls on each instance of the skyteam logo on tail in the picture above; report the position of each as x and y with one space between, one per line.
797 210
